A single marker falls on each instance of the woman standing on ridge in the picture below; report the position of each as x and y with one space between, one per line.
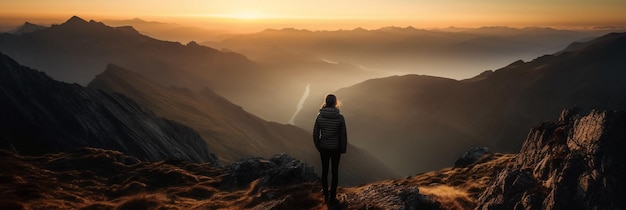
330 138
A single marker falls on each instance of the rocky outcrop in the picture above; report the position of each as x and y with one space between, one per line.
41 115
574 163
278 170
472 156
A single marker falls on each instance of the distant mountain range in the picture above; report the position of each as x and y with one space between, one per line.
171 31
452 53
231 132
77 50
40 115
414 123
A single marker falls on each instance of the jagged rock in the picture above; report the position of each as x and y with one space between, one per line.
472 156
279 170
574 163
41 115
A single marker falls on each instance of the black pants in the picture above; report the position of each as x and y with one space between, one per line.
332 155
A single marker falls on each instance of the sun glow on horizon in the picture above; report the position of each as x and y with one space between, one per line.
252 15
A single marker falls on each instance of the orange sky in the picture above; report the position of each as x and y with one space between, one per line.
250 15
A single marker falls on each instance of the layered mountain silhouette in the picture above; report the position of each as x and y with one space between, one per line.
230 131
416 123
170 31
77 50
407 50
41 115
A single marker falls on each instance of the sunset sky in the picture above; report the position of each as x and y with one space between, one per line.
327 14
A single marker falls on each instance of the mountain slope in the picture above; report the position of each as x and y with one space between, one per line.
425 120
230 131
40 115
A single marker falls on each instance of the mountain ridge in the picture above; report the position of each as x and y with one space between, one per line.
41 115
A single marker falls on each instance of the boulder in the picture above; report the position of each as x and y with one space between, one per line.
279 170
472 156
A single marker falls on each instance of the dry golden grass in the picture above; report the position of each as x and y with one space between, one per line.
93 179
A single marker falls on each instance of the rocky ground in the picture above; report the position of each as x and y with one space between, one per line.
92 178
573 163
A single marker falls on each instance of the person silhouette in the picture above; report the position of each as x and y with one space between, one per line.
330 138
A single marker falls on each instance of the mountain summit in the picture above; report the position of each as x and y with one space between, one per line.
75 20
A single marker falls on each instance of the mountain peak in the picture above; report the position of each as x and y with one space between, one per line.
26 28
75 20
113 70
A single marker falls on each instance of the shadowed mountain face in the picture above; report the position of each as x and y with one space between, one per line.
407 50
77 50
231 132
416 123
40 115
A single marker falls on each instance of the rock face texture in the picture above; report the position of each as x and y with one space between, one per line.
41 115
574 163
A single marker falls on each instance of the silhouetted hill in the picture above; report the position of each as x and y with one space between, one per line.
230 131
416 123
41 115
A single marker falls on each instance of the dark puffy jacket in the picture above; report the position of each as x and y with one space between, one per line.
329 131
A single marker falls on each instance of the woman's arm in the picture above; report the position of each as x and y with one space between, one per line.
316 135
